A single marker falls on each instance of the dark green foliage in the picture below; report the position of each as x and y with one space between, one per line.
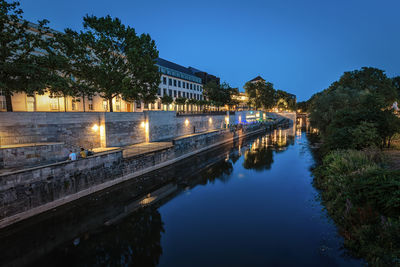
259 158
180 101
263 95
360 193
396 84
303 106
232 101
218 94
363 198
358 116
121 62
284 100
23 68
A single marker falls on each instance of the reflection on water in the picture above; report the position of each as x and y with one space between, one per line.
135 241
260 154
197 212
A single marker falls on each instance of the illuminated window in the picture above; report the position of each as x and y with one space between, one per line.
53 103
74 103
2 100
105 105
117 103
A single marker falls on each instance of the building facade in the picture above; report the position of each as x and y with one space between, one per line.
176 81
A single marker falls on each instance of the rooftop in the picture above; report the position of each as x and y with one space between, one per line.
168 64
258 78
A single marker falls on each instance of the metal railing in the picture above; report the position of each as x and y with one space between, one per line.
203 113
22 139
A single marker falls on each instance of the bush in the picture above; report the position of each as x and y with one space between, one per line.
363 198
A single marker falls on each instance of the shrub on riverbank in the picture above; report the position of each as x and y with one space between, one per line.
363 198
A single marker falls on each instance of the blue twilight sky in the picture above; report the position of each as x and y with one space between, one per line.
301 46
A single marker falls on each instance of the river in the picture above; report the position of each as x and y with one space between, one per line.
250 203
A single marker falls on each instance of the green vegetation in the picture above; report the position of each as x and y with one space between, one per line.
107 58
355 122
21 70
220 94
363 198
180 102
167 100
360 102
263 95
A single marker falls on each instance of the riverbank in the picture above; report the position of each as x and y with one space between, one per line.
32 191
238 193
360 191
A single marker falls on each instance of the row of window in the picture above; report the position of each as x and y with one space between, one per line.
184 85
179 74
175 93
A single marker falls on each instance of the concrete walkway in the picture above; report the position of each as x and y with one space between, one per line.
143 148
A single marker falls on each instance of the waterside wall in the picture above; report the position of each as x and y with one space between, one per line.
31 191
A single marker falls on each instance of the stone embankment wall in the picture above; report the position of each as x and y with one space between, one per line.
95 129
31 191
124 128
166 125
113 128
25 156
74 128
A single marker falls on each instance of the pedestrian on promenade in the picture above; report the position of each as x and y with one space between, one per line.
72 155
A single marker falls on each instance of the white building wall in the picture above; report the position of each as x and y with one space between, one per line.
177 86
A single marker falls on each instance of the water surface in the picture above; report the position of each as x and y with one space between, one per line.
250 203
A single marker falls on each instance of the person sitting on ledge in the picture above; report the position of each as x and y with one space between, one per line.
72 155
83 153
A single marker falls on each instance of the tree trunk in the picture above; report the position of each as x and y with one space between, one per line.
110 104
65 103
83 102
8 102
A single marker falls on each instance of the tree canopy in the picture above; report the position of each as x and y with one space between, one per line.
264 95
23 66
107 58
355 112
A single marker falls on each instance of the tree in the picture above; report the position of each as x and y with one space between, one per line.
253 92
180 101
367 79
22 67
356 117
192 102
233 97
396 84
122 63
260 94
74 64
167 100
218 94
303 106
141 54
